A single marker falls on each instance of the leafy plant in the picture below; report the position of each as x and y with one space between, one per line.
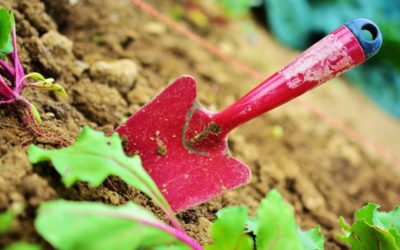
13 79
228 230
93 158
89 225
275 227
372 229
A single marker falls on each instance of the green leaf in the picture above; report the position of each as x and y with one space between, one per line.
367 213
46 84
94 157
7 217
311 239
23 246
35 76
8 48
35 113
344 225
369 237
276 224
59 90
388 220
6 220
373 228
69 225
346 229
275 227
228 230
6 23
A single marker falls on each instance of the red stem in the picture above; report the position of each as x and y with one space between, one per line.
6 71
12 101
7 68
159 201
34 86
35 128
5 90
19 71
178 234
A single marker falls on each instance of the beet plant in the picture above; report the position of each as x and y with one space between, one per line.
80 225
90 225
13 80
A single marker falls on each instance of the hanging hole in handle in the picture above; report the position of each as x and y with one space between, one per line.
369 32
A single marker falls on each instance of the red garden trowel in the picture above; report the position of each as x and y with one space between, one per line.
184 147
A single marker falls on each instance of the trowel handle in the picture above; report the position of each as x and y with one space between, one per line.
336 53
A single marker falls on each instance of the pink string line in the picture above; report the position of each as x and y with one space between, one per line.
259 76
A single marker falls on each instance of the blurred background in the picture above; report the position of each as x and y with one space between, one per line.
297 24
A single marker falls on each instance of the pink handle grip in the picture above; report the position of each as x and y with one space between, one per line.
331 56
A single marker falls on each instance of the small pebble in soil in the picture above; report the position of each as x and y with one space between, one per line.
120 74
155 28
58 44
73 2
48 116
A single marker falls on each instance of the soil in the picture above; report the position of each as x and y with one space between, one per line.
321 172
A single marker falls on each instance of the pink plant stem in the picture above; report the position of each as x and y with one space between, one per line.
19 72
178 234
34 86
14 53
5 90
7 102
7 68
167 210
172 219
164 207
5 73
